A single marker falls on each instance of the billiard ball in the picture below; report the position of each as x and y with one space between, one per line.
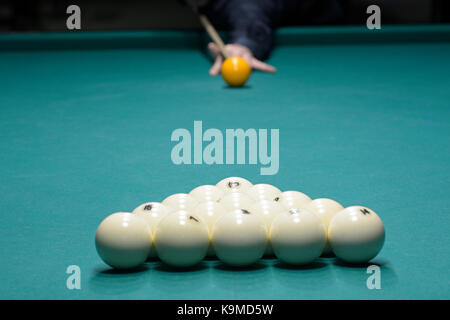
234 184
293 199
181 239
326 209
235 71
236 200
264 191
268 210
297 236
356 234
209 211
152 213
239 238
180 201
123 240
207 193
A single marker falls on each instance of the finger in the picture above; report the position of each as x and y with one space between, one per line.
239 50
233 51
214 49
215 69
262 66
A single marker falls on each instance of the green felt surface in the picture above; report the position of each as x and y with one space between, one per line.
84 133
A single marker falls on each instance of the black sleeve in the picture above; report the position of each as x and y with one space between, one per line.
250 22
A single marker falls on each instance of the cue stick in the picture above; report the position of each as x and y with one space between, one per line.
210 30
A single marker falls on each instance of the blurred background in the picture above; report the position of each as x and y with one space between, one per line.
50 15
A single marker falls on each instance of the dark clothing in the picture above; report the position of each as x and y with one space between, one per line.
251 22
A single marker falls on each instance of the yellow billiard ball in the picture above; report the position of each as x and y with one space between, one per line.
235 71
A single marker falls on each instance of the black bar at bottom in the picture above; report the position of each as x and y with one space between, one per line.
221 309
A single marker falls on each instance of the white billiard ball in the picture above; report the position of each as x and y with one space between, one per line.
236 200
264 191
181 239
123 240
207 193
210 211
297 236
234 184
239 238
268 210
180 201
152 213
326 209
293 199
356 234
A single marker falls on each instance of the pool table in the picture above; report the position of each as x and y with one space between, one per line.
86 126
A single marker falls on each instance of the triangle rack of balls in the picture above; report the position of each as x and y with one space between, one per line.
239 223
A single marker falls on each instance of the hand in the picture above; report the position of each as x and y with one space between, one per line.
240 51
